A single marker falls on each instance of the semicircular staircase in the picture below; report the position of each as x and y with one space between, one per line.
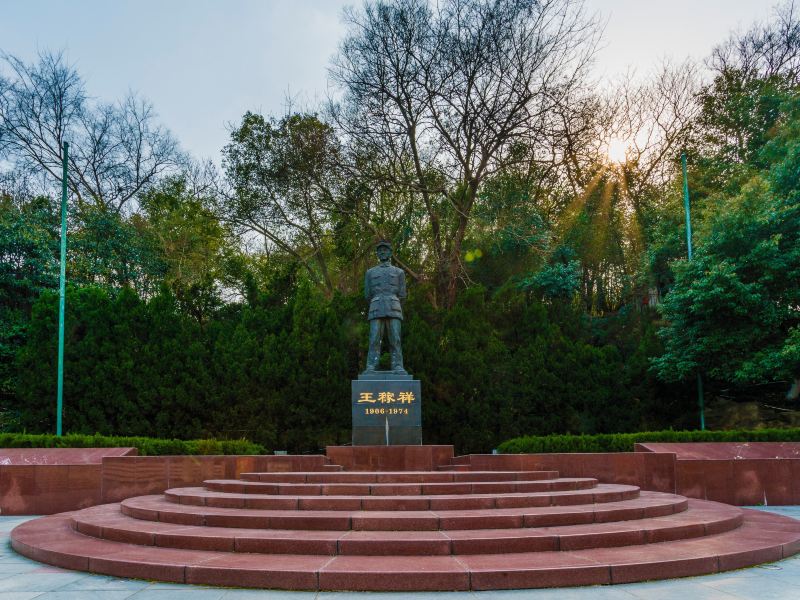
424 530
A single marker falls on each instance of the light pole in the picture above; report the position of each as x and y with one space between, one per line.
700 398
62 291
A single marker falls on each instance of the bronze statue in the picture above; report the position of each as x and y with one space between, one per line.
384 288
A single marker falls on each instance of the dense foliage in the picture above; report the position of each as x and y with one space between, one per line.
734 312
276 369
624 442
549 290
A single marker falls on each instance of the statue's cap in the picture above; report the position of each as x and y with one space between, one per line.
386 243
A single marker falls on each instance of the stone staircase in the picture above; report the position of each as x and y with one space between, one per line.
446 529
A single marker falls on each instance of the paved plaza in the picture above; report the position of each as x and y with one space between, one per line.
24 579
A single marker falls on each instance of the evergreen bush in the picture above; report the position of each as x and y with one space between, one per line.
624 442
145 445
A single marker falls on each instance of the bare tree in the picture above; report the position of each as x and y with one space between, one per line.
656 118
766 49
116 150
446 96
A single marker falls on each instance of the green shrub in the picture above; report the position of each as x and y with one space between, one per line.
146 446
624 442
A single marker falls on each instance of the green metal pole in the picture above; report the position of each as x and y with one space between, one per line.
62 285
700 395
686 206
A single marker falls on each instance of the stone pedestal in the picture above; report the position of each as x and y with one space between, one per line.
391 458
387 409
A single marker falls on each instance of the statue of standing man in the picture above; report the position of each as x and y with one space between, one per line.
385 288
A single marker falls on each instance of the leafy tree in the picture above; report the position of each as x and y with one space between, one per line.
28 249
110 250
510 237
754 73
733 310
191 240
558 280
284 179
28 267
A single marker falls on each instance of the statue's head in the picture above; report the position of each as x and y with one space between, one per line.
383 250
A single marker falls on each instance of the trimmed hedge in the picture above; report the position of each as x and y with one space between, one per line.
623 442
146 446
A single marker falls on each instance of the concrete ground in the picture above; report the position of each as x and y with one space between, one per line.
24 579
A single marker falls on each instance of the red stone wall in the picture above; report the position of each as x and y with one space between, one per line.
50 488
740 473
743 482
43 489
650 471
47 489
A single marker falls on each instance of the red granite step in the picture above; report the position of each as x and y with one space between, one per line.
398 489
204 497
702 518
368 531
398 476
617 507
761 538
751 544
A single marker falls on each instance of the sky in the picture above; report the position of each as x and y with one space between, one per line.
204 63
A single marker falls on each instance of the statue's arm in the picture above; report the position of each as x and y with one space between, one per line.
402 291
367 292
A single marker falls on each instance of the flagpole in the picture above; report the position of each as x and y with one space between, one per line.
62 291
700 395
